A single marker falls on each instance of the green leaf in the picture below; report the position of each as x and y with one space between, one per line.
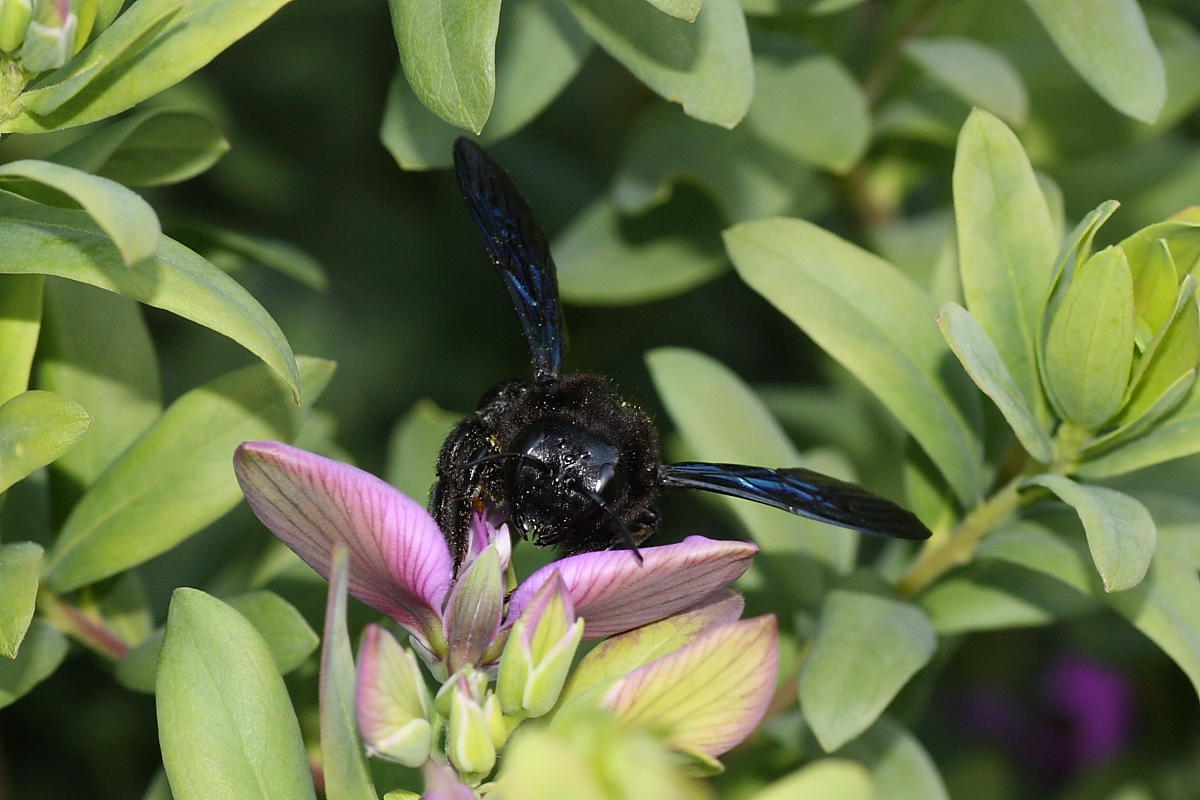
977 73
1172 353
982 362
414 446
847 681
178 477
283 629
1120 532
346 774
1174 437
539 50
1006 244
229 249
20 566
1089 349
20 326
1155 286
225 721
722 420
127 219
57 241
606 258
874 321
152 148
1146 419
683 9
1110 47
448 50
704 65
96 350
40 654
186 36
899 766
35 428
829 777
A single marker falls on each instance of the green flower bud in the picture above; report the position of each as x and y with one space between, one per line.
468 736
497 724
539 652
392 702
50 39
14 22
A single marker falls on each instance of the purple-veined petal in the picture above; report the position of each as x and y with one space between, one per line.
442 783
399 561
613 592
708 695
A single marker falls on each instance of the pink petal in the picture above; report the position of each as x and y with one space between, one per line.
614 593
399 561
708 695
442 783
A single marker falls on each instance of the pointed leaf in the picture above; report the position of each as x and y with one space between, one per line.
1155 285
20 566
708 695
57 241
1006 244
414 446
977 73
96 350
982 362
1174 351
1120 531
614 592
722 420
448 50
232 249
36 428
1089 349
176 478
899 766
186 36
704 65
683 9
399 563
41 652
867 645
878 324
20 326
1174 437
1110 47
225 722
829 777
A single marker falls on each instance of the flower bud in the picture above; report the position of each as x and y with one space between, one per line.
392 700
50 39
474 608
14 22
539 652
468 736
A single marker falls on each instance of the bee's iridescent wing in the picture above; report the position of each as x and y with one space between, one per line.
801 491
518 248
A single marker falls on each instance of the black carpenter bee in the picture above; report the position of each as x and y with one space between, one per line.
566 458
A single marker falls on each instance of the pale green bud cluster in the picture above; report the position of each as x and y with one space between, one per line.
42 35
538 656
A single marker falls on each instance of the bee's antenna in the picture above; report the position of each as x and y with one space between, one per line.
603 504
524 457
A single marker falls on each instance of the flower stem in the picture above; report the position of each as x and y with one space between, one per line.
955 548
86 629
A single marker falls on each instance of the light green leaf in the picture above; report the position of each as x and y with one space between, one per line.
151 148
899 766
1145 419
20 566
703 65
605 258
283 629
1110 47
186 36
1155 285
178 477
1174 437
127 219
977 73
35 428
97 351
448 50
225 721
229 249
723 421
827 778
1006 244
867 645
1120 532
982 362
346 774
1173 352
539 50
40 654
1089 348
57 241
20 326
414 446
878 324
683 9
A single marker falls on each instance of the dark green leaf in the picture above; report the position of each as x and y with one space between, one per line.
977 73
20 326
40 654
20 566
